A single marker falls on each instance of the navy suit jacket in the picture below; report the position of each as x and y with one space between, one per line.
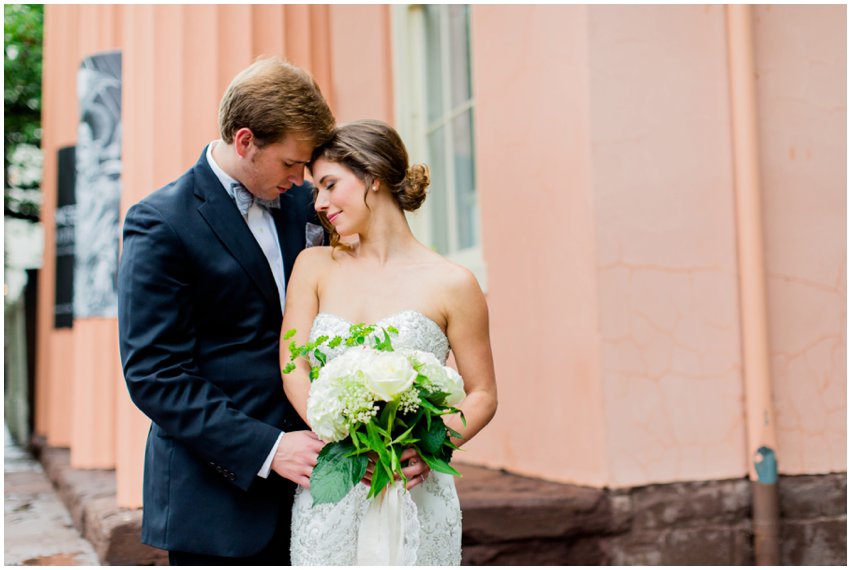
199 324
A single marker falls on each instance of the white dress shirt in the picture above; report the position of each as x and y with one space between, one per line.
263 229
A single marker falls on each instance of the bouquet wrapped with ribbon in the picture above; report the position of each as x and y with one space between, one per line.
374 401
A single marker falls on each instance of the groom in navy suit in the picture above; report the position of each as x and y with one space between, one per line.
201 283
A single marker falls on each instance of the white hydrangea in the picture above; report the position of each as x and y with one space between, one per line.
339 396
325 410
349 387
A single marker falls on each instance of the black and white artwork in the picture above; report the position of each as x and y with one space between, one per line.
98 186
66 213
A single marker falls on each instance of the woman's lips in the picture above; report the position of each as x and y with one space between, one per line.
331 217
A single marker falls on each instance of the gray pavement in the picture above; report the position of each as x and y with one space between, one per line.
37 527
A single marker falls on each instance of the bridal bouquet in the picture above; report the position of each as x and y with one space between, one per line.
374 399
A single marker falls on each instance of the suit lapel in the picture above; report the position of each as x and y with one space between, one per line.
222 215
290 223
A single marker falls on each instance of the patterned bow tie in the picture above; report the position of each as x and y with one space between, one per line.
244 199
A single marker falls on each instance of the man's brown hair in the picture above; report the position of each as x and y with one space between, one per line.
274 98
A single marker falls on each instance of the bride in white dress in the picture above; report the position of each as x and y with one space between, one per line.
380 274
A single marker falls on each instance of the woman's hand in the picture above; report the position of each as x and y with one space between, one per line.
416 471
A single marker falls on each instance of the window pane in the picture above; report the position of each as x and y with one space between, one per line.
434 69
466 202
459 53
439 191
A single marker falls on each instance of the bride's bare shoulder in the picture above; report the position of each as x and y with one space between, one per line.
313 260
453 278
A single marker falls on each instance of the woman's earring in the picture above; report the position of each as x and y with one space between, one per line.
375 187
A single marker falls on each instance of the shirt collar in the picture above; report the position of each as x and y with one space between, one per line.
226 180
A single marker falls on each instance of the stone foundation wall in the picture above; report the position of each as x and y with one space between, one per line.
813 528
520 521
512 520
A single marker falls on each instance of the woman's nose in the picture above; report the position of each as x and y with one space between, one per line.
321 203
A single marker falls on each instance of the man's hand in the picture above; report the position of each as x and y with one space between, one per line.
296 456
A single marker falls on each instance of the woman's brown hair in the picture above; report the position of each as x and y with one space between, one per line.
373 150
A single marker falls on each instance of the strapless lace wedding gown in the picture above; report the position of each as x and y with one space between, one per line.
328 534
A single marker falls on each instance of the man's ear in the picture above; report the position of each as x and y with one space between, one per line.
243 140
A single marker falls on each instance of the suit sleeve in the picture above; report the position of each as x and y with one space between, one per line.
157 340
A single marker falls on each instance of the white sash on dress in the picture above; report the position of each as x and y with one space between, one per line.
388 534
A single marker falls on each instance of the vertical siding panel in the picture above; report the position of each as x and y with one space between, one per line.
267 25
362 77
165 49
205 30
320 46
139 32
56 346
46 284
95 374
297 35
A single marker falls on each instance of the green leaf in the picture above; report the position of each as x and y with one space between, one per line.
335 472
401 439
393 330
436 464
429 406
314 373
320 356
437 397
288 368
335 342
289 334
431 439
380 479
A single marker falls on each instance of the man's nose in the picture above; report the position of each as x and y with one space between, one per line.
297 177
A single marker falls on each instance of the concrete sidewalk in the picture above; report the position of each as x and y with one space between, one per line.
37 527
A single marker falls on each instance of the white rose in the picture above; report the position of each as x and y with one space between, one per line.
455 387
429 366
389 374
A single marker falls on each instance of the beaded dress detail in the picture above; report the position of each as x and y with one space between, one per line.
328 534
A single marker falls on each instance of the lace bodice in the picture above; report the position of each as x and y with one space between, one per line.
416 331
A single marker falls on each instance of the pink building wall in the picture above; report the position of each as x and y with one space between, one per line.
801 54
605 174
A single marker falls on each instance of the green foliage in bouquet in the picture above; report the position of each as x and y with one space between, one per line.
384 426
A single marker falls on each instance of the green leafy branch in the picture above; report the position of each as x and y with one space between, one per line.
359 334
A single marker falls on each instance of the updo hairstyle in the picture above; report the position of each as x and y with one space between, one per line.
373 150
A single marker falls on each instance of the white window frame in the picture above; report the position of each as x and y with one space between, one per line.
409 64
